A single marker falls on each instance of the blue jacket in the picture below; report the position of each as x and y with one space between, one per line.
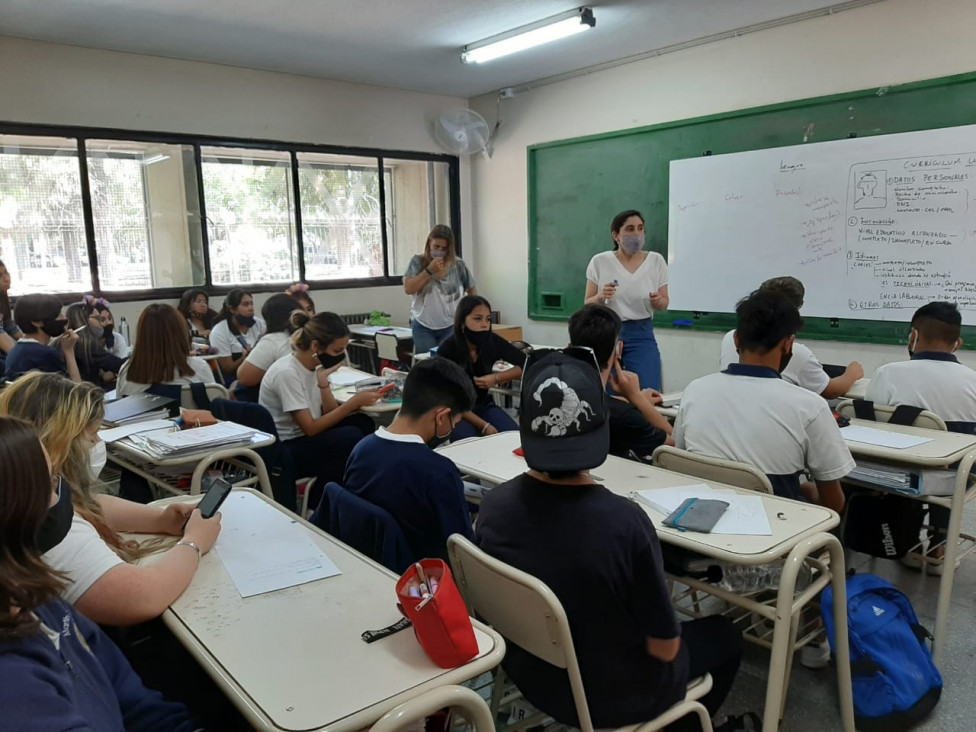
84 685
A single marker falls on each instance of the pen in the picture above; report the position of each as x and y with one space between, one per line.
78 329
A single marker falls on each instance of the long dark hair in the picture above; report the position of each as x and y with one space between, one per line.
88 345
232 300
8 317
186 307
26 582
162 346
465 307
277 311
619 220
324 327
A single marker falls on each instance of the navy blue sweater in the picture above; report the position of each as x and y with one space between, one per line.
24 357
85 685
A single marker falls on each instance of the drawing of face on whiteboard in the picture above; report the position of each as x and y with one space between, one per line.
871 189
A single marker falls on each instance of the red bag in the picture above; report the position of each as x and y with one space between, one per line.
428 597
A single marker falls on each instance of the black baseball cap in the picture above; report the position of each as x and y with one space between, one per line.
563 414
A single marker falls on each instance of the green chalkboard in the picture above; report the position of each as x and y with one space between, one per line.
576 186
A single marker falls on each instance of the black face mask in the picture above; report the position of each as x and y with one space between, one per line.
328 361
57 522
246 320
478 338
784 361
107 335
437 440
53 327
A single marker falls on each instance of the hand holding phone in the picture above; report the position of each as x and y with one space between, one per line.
217 491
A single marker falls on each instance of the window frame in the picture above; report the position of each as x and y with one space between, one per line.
82 134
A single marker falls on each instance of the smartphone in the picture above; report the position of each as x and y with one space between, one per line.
216 494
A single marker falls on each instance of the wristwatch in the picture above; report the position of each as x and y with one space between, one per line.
428 271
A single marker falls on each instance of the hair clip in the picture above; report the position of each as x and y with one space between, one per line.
297 287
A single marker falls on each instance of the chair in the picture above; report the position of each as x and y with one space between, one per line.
730 472
191 396
526 612
366 527
388 350
882 413
213 391
471 706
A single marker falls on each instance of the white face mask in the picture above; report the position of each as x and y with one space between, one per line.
97 458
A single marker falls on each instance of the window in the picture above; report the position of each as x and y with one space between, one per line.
42 225
420 199
250 207
146 211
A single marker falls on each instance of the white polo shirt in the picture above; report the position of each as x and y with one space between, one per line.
749 414
83 556
288 387
803 369
269 349
931 380
225 343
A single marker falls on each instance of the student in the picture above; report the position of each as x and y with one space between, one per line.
934 380
599 553
636 427
59 670
750 414
95 363
235 332
299 293
114 342
803 369
200 317
94 557
395 469
41 320
9 332
275 343
476 349
161 354
319 432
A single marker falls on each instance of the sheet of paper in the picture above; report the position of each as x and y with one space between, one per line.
346 378
117 433
881 438
263 550
746 513
667 500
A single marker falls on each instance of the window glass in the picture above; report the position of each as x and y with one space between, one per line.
250 208
42 226
421 198
146 211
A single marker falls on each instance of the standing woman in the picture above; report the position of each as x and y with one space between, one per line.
634 284
195 307
476 349
236 332
437 280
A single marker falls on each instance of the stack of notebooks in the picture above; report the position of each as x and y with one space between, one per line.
136 408
929 482
166 444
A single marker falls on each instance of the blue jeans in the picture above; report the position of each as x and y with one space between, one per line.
492 414
641 354
425 338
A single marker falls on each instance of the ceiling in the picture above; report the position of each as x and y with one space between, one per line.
409 44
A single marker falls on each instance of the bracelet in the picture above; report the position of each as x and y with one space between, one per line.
496 379
427 270
192 546
487 425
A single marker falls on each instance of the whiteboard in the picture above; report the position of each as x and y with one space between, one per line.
874 227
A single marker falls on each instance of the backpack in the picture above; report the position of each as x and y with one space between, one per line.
895 683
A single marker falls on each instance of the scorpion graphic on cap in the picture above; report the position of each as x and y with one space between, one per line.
569 412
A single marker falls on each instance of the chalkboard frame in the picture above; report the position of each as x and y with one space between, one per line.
837 329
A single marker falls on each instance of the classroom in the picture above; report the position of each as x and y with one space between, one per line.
319 92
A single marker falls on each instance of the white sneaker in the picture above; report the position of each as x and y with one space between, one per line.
815 655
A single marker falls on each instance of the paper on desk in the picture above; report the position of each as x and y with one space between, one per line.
881 438
745 515
346 378
263 550
117 433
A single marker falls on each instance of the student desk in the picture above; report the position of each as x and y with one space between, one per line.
294 660
370 331
858 389
945 450
670 405
344 393
799 531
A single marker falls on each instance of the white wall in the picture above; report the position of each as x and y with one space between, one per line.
45 83
888 43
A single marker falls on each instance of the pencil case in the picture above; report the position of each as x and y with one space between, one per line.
697 514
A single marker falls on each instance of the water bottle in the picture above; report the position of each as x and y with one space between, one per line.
744 580
124 330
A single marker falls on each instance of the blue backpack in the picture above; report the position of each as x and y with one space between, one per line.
894 680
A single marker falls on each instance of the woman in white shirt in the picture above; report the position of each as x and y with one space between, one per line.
274 344
634 284
318 431
236 332
161 354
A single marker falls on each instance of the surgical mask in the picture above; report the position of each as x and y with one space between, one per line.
97 331
246 320
57 521
784 361
632 243
97 458
53 327
911 346
328 361
477 337
438 253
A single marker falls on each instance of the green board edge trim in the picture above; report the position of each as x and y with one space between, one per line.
826 329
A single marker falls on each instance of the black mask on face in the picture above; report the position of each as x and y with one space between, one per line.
784 361
478 338
53 327
107 335
437 440
246 320
57 522
328 361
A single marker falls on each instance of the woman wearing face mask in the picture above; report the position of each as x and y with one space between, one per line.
95 363
476 349
94 557
274 344
319 432
195 307
236 332
40 319
437 280
299 293
634 284
115 343
161 354
59 670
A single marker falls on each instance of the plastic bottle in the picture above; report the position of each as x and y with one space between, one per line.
746 579
124 330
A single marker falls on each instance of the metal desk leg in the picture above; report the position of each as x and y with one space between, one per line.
842 655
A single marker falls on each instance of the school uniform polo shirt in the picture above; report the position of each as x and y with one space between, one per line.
803 369
932 380
749 414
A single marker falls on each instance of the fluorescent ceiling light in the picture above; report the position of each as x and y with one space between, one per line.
529 36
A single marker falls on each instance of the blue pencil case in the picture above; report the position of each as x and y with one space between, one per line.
697 514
